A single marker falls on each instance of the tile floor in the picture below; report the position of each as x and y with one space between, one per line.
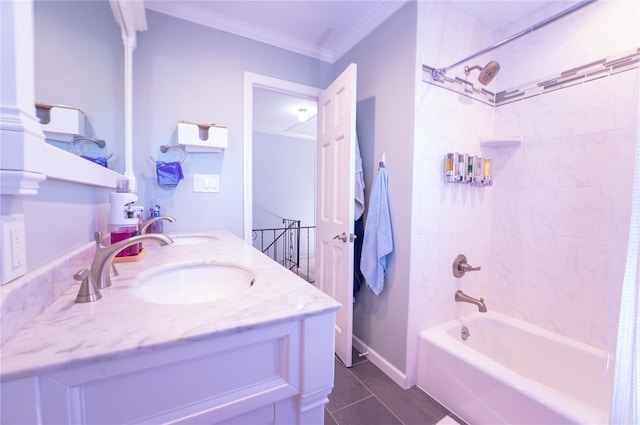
364 395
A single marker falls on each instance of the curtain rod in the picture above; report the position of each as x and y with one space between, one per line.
438 74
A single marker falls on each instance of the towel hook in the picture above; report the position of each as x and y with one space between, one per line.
165 148
100 143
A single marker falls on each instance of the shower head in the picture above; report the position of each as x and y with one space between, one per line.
487 74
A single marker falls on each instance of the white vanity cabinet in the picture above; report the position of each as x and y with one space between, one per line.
277 374
260 356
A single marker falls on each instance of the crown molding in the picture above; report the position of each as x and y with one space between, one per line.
221 22
375 19
193 13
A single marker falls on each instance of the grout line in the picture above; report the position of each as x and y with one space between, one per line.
326 411
353 403
448 414
376 397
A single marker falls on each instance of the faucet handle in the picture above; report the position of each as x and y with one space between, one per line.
460 266
88 291
467 268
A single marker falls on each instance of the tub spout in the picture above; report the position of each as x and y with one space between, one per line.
462 297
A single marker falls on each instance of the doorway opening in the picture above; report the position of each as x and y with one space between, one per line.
279 178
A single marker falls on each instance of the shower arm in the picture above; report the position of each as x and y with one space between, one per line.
438 74
467 69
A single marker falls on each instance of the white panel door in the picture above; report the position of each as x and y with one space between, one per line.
335 201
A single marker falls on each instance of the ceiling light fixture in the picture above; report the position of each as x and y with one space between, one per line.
303 114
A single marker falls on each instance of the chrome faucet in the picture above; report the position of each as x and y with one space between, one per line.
462 297
146 223
103 258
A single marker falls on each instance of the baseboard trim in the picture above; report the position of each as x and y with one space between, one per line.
381 363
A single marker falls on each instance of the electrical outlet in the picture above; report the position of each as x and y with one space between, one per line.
206 183
14 248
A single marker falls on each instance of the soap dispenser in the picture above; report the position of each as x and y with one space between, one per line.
124 218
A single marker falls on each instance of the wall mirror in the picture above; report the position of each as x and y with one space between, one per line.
79 62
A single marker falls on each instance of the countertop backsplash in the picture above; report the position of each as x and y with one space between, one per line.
26 297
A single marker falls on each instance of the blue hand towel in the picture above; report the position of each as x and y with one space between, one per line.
101 160
378 239
169 174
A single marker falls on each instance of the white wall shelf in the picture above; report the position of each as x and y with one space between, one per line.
202 137
501 143
60 123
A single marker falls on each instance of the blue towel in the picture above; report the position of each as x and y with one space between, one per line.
169 174
101 160
378 239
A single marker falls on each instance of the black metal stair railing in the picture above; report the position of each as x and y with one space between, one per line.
283 245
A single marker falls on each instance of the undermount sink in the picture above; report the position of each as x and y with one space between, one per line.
192 239
196 283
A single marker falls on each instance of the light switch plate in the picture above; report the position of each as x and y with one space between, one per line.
14 248
206 183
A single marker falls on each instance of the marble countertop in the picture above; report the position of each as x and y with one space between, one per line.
121 324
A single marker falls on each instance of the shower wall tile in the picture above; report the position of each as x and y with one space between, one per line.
534 54
505 214
621 98
536 265
551 233
615 218
541 118
599 27
540 163
507 167
508 121
594 32
587 160
569 193
577 212
538 210
570 312
449 219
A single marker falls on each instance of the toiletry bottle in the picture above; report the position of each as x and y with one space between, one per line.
123 222
154 211
124 226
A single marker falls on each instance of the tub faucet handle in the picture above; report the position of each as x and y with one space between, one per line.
460 266
467 268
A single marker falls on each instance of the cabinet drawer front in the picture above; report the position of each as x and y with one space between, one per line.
207 375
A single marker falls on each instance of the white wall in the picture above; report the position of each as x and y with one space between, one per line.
186 71
283 180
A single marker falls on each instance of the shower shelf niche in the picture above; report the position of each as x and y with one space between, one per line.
501 143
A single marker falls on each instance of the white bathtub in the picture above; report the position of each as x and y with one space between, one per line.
511 372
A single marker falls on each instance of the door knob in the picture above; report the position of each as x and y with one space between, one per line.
342 237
